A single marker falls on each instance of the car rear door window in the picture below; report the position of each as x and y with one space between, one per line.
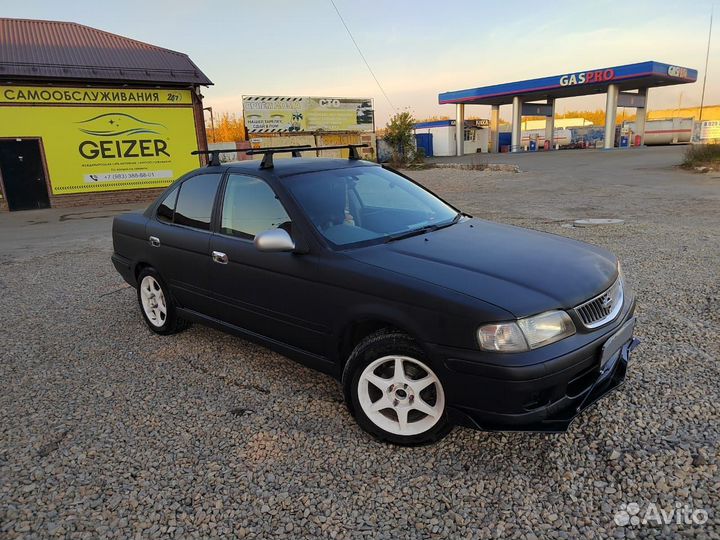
250 206
167 208
195 201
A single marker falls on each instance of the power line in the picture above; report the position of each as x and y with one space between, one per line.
707 57
362 55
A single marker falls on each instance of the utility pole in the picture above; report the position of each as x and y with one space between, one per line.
707 58
212 121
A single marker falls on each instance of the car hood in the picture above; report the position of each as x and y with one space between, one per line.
520 270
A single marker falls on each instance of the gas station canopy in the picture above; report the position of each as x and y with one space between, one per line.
625 86
593 81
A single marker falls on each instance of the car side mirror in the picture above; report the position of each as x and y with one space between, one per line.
274 241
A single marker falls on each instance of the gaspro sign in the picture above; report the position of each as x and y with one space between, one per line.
587 77
89 149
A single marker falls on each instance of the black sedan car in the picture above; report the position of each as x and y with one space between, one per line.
429 317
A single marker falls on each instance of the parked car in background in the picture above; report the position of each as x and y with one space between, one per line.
429 317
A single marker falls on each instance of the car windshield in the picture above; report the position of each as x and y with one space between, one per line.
367 204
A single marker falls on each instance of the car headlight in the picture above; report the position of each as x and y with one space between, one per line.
525 334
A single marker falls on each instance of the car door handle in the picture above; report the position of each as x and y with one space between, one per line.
154 241
219 257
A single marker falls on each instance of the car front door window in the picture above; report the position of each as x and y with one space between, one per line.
250 206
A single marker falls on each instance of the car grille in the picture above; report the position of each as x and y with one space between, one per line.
603 308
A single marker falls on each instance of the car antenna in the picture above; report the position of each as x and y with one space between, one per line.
267 160
214 160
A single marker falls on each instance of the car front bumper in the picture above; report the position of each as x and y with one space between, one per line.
542 397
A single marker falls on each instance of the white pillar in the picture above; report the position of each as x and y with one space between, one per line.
550 124
459 129
516 127
640 114
495 128
610 114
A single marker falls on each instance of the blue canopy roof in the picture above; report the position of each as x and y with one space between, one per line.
434 124
592 81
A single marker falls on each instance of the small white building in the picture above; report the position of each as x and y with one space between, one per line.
438 138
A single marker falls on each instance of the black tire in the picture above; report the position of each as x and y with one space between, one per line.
170 323
371 349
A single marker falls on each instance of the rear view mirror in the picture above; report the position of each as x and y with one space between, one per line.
274 241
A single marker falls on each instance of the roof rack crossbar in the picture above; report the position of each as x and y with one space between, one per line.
215 154
267 161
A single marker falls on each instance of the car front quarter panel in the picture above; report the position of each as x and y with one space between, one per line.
429 313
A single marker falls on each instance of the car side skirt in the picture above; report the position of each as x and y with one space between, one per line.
306 358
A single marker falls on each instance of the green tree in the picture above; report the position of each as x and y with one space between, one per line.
399 135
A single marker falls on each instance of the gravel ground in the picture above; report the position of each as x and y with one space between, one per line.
107 430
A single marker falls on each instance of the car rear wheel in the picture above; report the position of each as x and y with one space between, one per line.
156 305
394 392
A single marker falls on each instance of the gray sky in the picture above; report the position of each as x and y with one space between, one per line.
416 48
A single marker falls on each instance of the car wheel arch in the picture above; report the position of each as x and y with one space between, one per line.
139 267
358 329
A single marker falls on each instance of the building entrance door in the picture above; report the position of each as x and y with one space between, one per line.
23 175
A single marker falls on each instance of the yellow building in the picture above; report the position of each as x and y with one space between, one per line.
710 112
89 117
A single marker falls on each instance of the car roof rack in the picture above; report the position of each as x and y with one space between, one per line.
215 154
268 152
267 160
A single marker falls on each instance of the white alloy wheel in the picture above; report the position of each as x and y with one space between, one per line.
153 301
401 395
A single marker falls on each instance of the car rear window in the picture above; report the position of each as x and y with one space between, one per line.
167 207
195 201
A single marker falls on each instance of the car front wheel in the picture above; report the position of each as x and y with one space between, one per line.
394 392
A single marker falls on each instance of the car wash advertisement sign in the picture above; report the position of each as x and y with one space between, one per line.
285 114
104 139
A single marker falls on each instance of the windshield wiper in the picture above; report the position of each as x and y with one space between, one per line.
425 229
453 221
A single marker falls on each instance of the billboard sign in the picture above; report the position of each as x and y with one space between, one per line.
104 139
285 114
89 149
710 129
